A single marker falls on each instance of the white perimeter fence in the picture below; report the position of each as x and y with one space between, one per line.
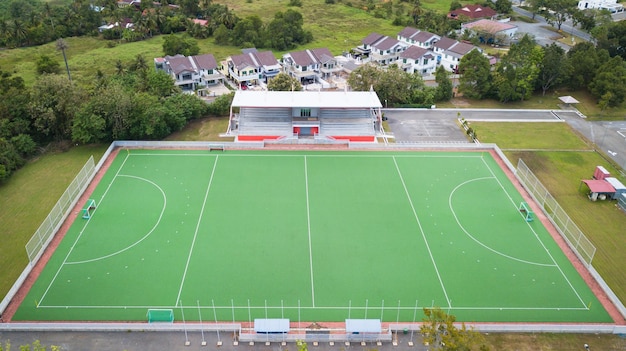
574 237
567 228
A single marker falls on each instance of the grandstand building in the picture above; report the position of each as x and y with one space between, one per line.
271 115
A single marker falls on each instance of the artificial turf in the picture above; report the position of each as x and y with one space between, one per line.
312 236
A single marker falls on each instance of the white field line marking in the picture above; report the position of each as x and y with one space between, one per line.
308 223
394 308
144 237
478 241
195 234
538 239
81 233
315 155
432 259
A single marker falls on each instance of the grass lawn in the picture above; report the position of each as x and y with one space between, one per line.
203 129
554 342
26 199
561 172
530 135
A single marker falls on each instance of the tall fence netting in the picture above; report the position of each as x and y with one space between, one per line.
574 237
49 226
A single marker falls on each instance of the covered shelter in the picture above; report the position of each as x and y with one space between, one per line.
568 100
363 326
271 325
335 115
599 189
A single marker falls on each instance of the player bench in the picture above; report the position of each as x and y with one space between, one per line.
216 147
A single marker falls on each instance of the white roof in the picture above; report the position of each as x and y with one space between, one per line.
363 326
615 183
278 325
313 99
568 99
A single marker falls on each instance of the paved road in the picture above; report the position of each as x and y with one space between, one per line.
441 125
175 341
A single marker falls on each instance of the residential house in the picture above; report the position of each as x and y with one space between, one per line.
310 65
416 59
450 52
251 67
366 45
610 5
490 32
383 49
472 12
413 36
191 73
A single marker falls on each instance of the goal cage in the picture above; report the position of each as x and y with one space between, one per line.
160 315
526 212
89 208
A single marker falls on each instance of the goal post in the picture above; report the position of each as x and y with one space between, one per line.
216 147
160 315
89 208
526 212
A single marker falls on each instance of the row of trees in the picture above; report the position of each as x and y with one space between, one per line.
528 68
136 102
397 87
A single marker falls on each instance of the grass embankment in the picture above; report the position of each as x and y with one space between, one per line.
561 172
27 198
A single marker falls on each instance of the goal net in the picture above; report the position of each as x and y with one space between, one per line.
156 315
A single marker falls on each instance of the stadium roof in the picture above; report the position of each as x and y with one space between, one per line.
320 99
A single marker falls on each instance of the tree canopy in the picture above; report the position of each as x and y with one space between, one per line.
284 82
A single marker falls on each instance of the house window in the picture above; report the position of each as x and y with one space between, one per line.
425 61
305 112
209 71
304 68
403 60
187 76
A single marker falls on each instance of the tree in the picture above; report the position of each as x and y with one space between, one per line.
516 75
536 6
184 45
284 82
582 62
503 6
561 10
221 105
552 70
416 11
45 64
455 5
609 84
475 80
222 35
444 84
392 85
62 45
440 332
53 104
248 32
285 31
613 39
585 19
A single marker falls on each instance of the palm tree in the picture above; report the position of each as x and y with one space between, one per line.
62 45
48 12
228 19
19 32
416 11
119 67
